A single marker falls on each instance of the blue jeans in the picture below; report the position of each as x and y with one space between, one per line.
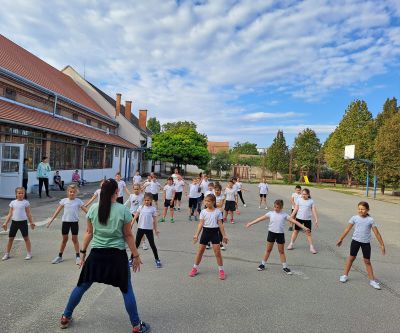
129 300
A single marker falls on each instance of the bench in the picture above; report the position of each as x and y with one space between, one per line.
328 180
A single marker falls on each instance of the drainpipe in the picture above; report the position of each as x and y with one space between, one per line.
55 105
126 164
83 160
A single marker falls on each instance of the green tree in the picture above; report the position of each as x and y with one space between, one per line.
305 150
181 144
245 148
390 108
357 128
154 125
277 158
220 162
387 147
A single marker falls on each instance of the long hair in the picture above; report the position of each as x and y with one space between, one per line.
108 189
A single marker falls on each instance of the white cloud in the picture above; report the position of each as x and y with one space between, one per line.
269 115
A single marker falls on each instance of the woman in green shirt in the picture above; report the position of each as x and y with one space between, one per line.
108 228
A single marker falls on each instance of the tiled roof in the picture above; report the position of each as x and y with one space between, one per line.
23 63
15 113
215 147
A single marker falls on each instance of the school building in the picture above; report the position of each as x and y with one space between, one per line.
44 112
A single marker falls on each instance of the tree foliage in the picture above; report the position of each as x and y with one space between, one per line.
154 125
221 161
305 150
277 158
245 148
181 144
357 128
390 108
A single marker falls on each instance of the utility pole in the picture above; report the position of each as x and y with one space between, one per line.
290 164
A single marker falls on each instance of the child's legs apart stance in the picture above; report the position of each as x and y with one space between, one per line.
9 244
199 254
369 269
217 252
348 264
27 244
281 250
64 243
150 237
75 242
268 249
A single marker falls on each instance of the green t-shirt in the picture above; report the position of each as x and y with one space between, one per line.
110 235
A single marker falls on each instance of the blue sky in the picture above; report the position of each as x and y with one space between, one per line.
240 69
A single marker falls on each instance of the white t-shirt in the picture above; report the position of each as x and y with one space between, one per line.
135 200
97 194
208 192
305 209
179 184
295 197
137 179
263 188
71 209
121 187
169 191
147 186
19 212
155 187
147 213
211 218
194 191
362 228
277 221
230 194
174 177
238 186
204 186
219 198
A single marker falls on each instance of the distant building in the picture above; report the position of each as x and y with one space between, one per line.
215 147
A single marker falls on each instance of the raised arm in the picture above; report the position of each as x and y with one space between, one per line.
344 234
379 238
127 191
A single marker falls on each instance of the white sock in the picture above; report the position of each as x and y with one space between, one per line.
263 262
195 266
284 265
221 268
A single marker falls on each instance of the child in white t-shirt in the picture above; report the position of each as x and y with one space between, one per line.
212 227
194 194
137 178
96 195
121 188
19 214
276 229
135 200
263 186
147 225
363 224
70 221
169 198
154 189
179 188
293 200
230 201
220 204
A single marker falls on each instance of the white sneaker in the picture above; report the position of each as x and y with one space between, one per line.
144 246
375 284
266 208
77 260
28 257
57 260
223 248
313 250
290 246
343 278
6 257
244 205
259 207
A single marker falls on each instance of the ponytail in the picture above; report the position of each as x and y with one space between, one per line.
108 189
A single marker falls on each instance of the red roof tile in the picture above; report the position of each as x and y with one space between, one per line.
28 117
21 62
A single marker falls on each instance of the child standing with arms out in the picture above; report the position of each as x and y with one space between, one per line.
70 221
239 189
363 223
230 201
276 229
263 186
303 211
147 225
137 178
19 214
293 199
212 227
121 188
179 188
194 193
169 197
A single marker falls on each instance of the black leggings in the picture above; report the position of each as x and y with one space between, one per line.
241 196
44 181
150 236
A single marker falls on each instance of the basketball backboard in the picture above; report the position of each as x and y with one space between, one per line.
349 152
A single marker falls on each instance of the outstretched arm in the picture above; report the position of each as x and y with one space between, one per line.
344 234
93 198
8 218
58 210
257 220
197 233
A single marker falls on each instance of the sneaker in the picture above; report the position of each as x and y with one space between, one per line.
208 246
244 205
375 284
64 322
193 272
195 218
190 217
290 229
144 246
224 219
28 257
223 248
6 257
130 263
290 246
233 221
57 260
78 261
179 209
266 208
261 267
172 221
162 220
287 271
141 328
221 274
158 264
259 207
343 278
313 250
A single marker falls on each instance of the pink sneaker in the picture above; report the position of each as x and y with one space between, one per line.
221 275
193 272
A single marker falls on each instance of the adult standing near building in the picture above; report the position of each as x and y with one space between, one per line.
175 175
25 177
43 174
108 228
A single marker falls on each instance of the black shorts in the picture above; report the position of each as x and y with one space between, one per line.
365 248
192 202
201 198
263 195
210 235
18 225
306 223
66 226
276 237
168 203
155 197
120 200
230 206
178 196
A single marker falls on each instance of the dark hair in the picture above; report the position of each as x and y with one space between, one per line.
218 186
230 181
149 196
108 189
170 178
298 186
211 184
279 202
307 191
364 204
118 173
212 198
234 179
44 158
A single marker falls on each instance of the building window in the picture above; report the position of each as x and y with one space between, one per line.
99 126
94 157
116 152
65 153
10 94
58 110
75 117
123 153
108 157
88 122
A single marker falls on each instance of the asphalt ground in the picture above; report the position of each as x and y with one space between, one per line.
33 294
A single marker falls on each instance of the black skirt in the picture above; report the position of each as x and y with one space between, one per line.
109 266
